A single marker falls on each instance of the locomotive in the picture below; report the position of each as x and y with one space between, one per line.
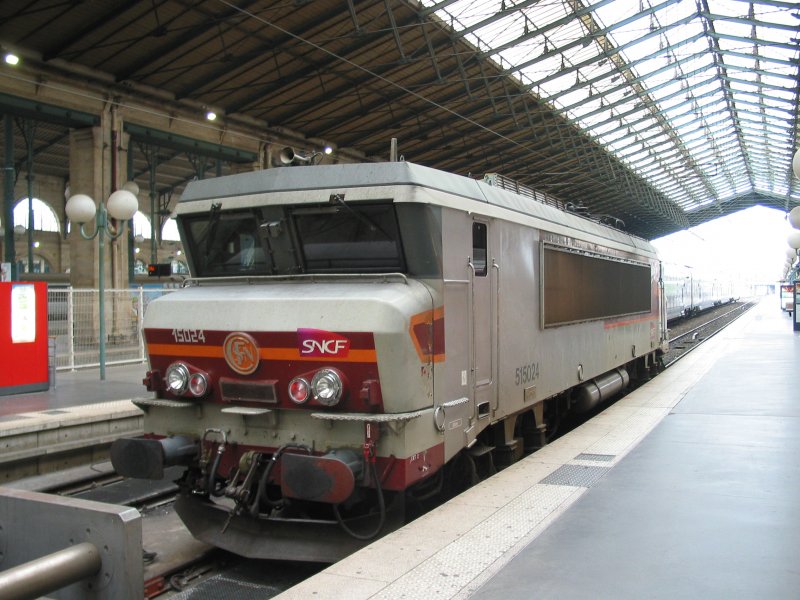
356 335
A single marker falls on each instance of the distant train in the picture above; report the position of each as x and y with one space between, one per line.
687 292
359 336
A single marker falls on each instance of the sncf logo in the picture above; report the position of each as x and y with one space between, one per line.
316 342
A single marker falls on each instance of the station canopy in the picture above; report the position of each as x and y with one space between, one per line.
664 114
698 98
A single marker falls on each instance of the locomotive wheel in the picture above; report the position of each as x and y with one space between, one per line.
461 474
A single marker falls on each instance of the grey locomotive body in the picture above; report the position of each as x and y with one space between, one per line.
353 333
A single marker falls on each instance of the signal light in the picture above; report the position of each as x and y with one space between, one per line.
159 270
299 390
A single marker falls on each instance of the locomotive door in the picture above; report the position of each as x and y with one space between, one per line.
481 321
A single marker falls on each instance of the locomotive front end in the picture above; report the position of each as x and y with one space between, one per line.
279 418
287 379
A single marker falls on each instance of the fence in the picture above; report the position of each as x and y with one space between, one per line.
73 317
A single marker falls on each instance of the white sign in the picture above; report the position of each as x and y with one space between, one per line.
23 313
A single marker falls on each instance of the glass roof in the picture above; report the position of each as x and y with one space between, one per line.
698 97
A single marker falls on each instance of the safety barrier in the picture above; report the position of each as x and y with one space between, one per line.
73 317
68 548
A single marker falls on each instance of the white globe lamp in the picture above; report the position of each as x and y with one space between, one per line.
796 163
794 240
122 205
794 217
80 208
131 187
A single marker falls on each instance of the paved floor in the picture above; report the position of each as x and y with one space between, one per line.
707 506
80 387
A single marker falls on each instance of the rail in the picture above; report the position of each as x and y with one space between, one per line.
695 336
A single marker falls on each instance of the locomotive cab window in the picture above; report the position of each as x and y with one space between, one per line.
479 249
224 243
349 238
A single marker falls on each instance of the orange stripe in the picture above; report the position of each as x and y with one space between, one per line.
354 356
185 350
426 317
649 317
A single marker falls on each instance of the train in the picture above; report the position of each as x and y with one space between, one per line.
687 291
357 338
786 296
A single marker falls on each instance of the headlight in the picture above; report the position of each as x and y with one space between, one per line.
327 387
298 390
177 378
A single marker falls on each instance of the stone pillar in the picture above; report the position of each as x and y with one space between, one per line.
120 277
93 164
86 160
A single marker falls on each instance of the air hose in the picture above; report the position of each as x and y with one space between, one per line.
381 508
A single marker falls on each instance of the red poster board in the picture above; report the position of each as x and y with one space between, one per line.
23 337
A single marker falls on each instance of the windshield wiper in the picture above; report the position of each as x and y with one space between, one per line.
213 220
339 199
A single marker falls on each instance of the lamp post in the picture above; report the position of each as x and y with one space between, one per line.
80 208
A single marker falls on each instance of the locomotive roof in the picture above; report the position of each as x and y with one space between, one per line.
288 179
362 175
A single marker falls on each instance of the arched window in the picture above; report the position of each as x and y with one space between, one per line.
179 267
141 225
169 233
139 267
40 265
44 217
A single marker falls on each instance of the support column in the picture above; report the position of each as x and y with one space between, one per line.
86 160
9 253
120 276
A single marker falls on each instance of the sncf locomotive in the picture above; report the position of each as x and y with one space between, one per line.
355 336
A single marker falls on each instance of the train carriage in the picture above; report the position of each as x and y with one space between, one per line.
352 333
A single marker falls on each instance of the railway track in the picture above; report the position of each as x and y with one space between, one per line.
688 334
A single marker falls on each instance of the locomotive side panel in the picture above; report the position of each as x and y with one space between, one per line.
536 361
526 358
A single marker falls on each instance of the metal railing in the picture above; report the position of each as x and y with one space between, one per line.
73 317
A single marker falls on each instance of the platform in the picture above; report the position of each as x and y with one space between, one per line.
72 423
687 487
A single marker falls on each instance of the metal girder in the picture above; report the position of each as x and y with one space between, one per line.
111 14
313 66
530 35
612 72
354 16
431 52
750 40
596 33
395 33
267 45
607 55
49 113
742 21
182 39
164 139
44 147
